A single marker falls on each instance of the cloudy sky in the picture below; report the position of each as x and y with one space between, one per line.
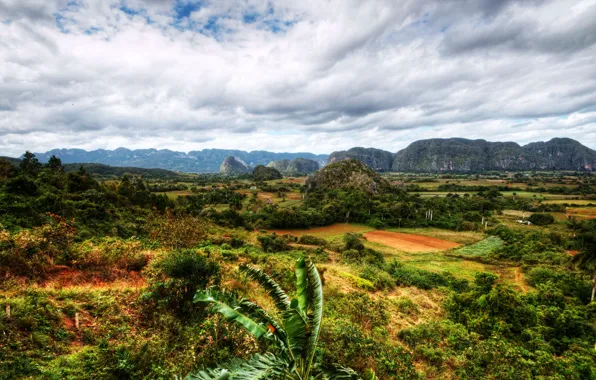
289 75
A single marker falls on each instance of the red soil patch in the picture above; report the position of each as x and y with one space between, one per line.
334 229
293 180
572 253
265 195
294 196
409 242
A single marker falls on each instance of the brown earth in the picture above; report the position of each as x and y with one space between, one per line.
334 229
409 242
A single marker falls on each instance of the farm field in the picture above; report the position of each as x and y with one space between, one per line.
333 230
409 242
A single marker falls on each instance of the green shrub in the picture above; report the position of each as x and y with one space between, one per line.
347 343
353 241
175 277
408 276
380 278
570 284
312 240
541 219
273 243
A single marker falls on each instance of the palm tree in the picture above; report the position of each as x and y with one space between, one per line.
292 339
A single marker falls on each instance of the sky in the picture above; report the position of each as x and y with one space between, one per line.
293 76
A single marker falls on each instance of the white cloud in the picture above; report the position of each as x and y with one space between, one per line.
293 76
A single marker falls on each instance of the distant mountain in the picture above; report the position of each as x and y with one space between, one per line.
233 166
377 159
295 167
564 154
12 160
203 161
118 171
463 155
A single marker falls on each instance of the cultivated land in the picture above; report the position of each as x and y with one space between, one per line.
409 242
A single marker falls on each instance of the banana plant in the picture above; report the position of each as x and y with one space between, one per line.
292 337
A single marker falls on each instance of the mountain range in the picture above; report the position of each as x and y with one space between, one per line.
463 155
203 161
430 155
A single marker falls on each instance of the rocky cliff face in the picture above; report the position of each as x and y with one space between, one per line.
233 166
462 155
295 167
377 159
564 154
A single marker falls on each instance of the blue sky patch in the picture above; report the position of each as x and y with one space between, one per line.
185 8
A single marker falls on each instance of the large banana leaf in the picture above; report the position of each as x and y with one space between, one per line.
267 366
316 301
338 372
281 300
253 311
231 314
301 284
296 328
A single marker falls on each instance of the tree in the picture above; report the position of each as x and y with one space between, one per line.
586 259
293 339
7 169
55 164
30 164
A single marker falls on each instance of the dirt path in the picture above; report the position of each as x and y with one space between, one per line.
520 280
409 242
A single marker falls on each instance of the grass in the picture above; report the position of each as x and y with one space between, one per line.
178 193
571 201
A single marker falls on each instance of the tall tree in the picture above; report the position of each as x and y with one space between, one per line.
30 164
55 164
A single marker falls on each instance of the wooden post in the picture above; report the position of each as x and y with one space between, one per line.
76 320
7 311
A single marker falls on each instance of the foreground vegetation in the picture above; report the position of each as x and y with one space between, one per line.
99 278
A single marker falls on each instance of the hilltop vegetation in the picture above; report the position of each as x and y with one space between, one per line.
295 167
348 175
263 173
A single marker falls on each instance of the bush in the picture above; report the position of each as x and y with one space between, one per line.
175 277
381 279
407 276
33 252
312 240
541 219
353 241
570 284
273 243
